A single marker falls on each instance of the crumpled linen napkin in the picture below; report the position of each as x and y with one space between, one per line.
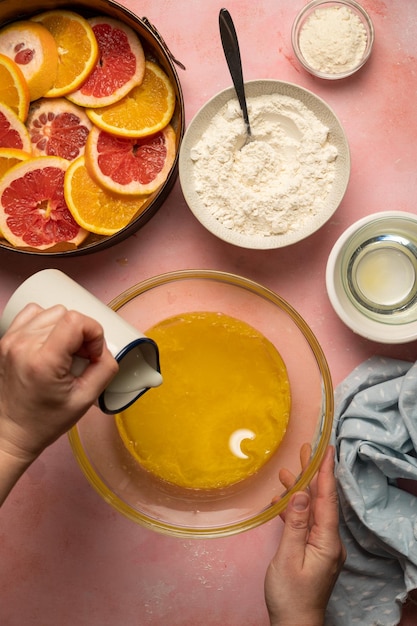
375 435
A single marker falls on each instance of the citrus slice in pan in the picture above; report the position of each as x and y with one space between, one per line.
32 47
120 65
57 128
144 111
94 208
77 49
13 132
33 211
130 166
10 157
14 91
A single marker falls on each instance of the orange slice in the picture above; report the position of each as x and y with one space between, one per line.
120 66
10 157
32 47
144 111
13 132
57 128
33 211
94 208
14 91
77 49
130 166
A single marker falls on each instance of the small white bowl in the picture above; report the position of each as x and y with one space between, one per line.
327 50
371 277
286 130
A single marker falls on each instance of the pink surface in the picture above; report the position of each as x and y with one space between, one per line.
66 557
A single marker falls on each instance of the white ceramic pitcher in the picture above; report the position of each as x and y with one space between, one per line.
137 355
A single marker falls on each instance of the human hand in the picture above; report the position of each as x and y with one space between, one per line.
40 398
304 570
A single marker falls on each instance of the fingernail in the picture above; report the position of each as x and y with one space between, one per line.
300 502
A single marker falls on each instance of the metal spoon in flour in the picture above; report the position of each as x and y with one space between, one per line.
232 53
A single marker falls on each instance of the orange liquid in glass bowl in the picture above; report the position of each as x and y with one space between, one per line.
222 409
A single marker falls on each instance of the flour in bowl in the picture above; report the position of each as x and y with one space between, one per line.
277 181
333 40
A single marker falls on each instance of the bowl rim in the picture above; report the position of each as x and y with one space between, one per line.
302 480
354 319
306 11
199 123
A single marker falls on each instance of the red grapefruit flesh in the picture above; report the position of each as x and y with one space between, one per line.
13 132
130 166
120 66
33 211
57 128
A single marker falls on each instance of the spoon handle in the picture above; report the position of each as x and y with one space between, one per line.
232 53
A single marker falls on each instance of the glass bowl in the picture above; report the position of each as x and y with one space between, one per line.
329 47
173 510
155 49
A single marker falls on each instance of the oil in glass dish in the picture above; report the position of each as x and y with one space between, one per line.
382 277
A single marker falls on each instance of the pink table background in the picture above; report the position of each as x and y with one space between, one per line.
66 557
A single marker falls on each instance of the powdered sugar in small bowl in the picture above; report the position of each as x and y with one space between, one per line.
332 39
277 189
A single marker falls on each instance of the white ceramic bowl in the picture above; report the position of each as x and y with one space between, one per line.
371 277
326 50
285 131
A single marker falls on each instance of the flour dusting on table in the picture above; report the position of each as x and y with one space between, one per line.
276 182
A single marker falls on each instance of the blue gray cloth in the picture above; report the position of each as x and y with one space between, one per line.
375 434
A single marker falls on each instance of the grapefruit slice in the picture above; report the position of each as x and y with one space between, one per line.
144 111
57 128
8 158
13 132
94 208
130 166
120 66
33 211
14 91
32 47
77 49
